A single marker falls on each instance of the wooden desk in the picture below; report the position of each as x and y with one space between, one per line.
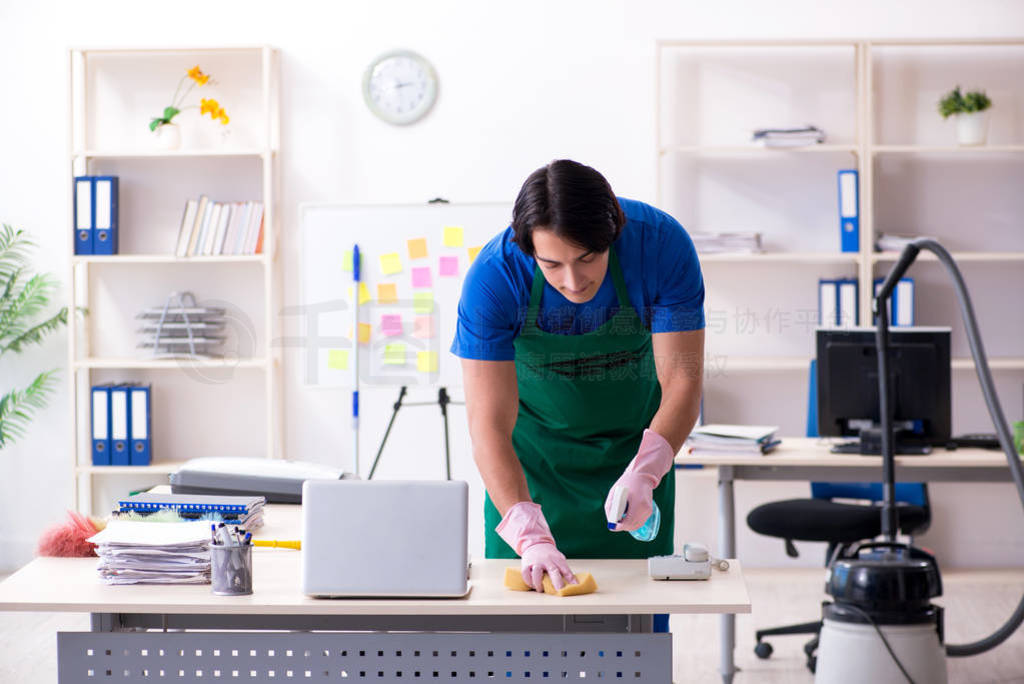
809 459
491 630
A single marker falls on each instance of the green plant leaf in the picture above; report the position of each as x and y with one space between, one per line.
19 306
170 113
14 248
952 103
36 333
18 406
976 101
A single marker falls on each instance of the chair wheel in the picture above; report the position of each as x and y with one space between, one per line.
763 650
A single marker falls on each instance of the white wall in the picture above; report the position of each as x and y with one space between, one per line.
521 83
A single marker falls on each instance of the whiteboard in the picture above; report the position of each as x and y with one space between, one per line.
420 254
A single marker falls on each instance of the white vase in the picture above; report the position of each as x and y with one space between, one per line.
972 128
168 136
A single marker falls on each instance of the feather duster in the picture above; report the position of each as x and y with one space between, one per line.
68 539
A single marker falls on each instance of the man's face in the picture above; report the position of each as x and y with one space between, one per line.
572 270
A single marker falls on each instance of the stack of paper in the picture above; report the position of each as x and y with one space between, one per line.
758 439
789 137
153 553
717 243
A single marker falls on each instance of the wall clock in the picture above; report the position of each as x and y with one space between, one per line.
400 87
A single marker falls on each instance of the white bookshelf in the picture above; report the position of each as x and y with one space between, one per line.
876 100
200 407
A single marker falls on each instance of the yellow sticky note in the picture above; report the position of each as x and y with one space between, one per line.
387 293
337 359
417 248
364 333
423 301
364 293
391 263
473 251
347 261
394 354
453 236
426 361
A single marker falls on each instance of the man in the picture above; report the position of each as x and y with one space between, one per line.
581 334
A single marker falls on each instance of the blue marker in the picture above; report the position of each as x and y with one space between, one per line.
355 358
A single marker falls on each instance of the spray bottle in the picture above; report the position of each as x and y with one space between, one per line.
620 504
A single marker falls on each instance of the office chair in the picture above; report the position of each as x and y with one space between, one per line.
841 525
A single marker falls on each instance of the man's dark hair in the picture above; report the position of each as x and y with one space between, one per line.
573 201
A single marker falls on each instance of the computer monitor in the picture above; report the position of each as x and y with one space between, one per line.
847 387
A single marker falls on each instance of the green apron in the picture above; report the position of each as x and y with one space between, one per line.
584 402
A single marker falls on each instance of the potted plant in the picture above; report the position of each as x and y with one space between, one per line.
167 134
22 298
971 112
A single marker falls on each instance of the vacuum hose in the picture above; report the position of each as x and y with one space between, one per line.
995 410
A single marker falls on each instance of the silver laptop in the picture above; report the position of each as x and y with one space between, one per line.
384 538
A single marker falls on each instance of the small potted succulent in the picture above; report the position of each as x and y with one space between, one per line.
971 112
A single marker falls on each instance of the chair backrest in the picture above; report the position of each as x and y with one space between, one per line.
912 493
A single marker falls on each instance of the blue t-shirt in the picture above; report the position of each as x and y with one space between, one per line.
659 264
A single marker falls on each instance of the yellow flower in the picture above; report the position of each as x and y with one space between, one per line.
198 76
208 106
223 118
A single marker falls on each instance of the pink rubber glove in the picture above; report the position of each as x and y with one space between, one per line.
653 459
526 531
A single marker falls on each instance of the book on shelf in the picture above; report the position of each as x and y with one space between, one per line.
210 228
727 243
788 137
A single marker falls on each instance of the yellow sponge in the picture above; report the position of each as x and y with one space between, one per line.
586 584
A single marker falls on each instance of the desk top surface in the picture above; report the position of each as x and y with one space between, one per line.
804 451
72 585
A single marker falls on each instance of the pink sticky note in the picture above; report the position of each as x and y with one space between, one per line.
449 265
421 276
423 327
391 325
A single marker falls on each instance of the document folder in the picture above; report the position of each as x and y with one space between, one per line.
105 229
141 426
849 212
100 426
119 422
83 215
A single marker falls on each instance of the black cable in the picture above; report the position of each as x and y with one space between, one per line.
884 640
995 411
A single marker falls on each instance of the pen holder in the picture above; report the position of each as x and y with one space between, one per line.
231 569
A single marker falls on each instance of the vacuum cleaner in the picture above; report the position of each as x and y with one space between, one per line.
881 625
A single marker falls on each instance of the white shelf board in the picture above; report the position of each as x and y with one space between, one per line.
170 259
169 364
165 154
164 468
142 51
756 150
884 257
950 150
994 363
782 257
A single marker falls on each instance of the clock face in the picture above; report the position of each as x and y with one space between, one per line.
400 87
